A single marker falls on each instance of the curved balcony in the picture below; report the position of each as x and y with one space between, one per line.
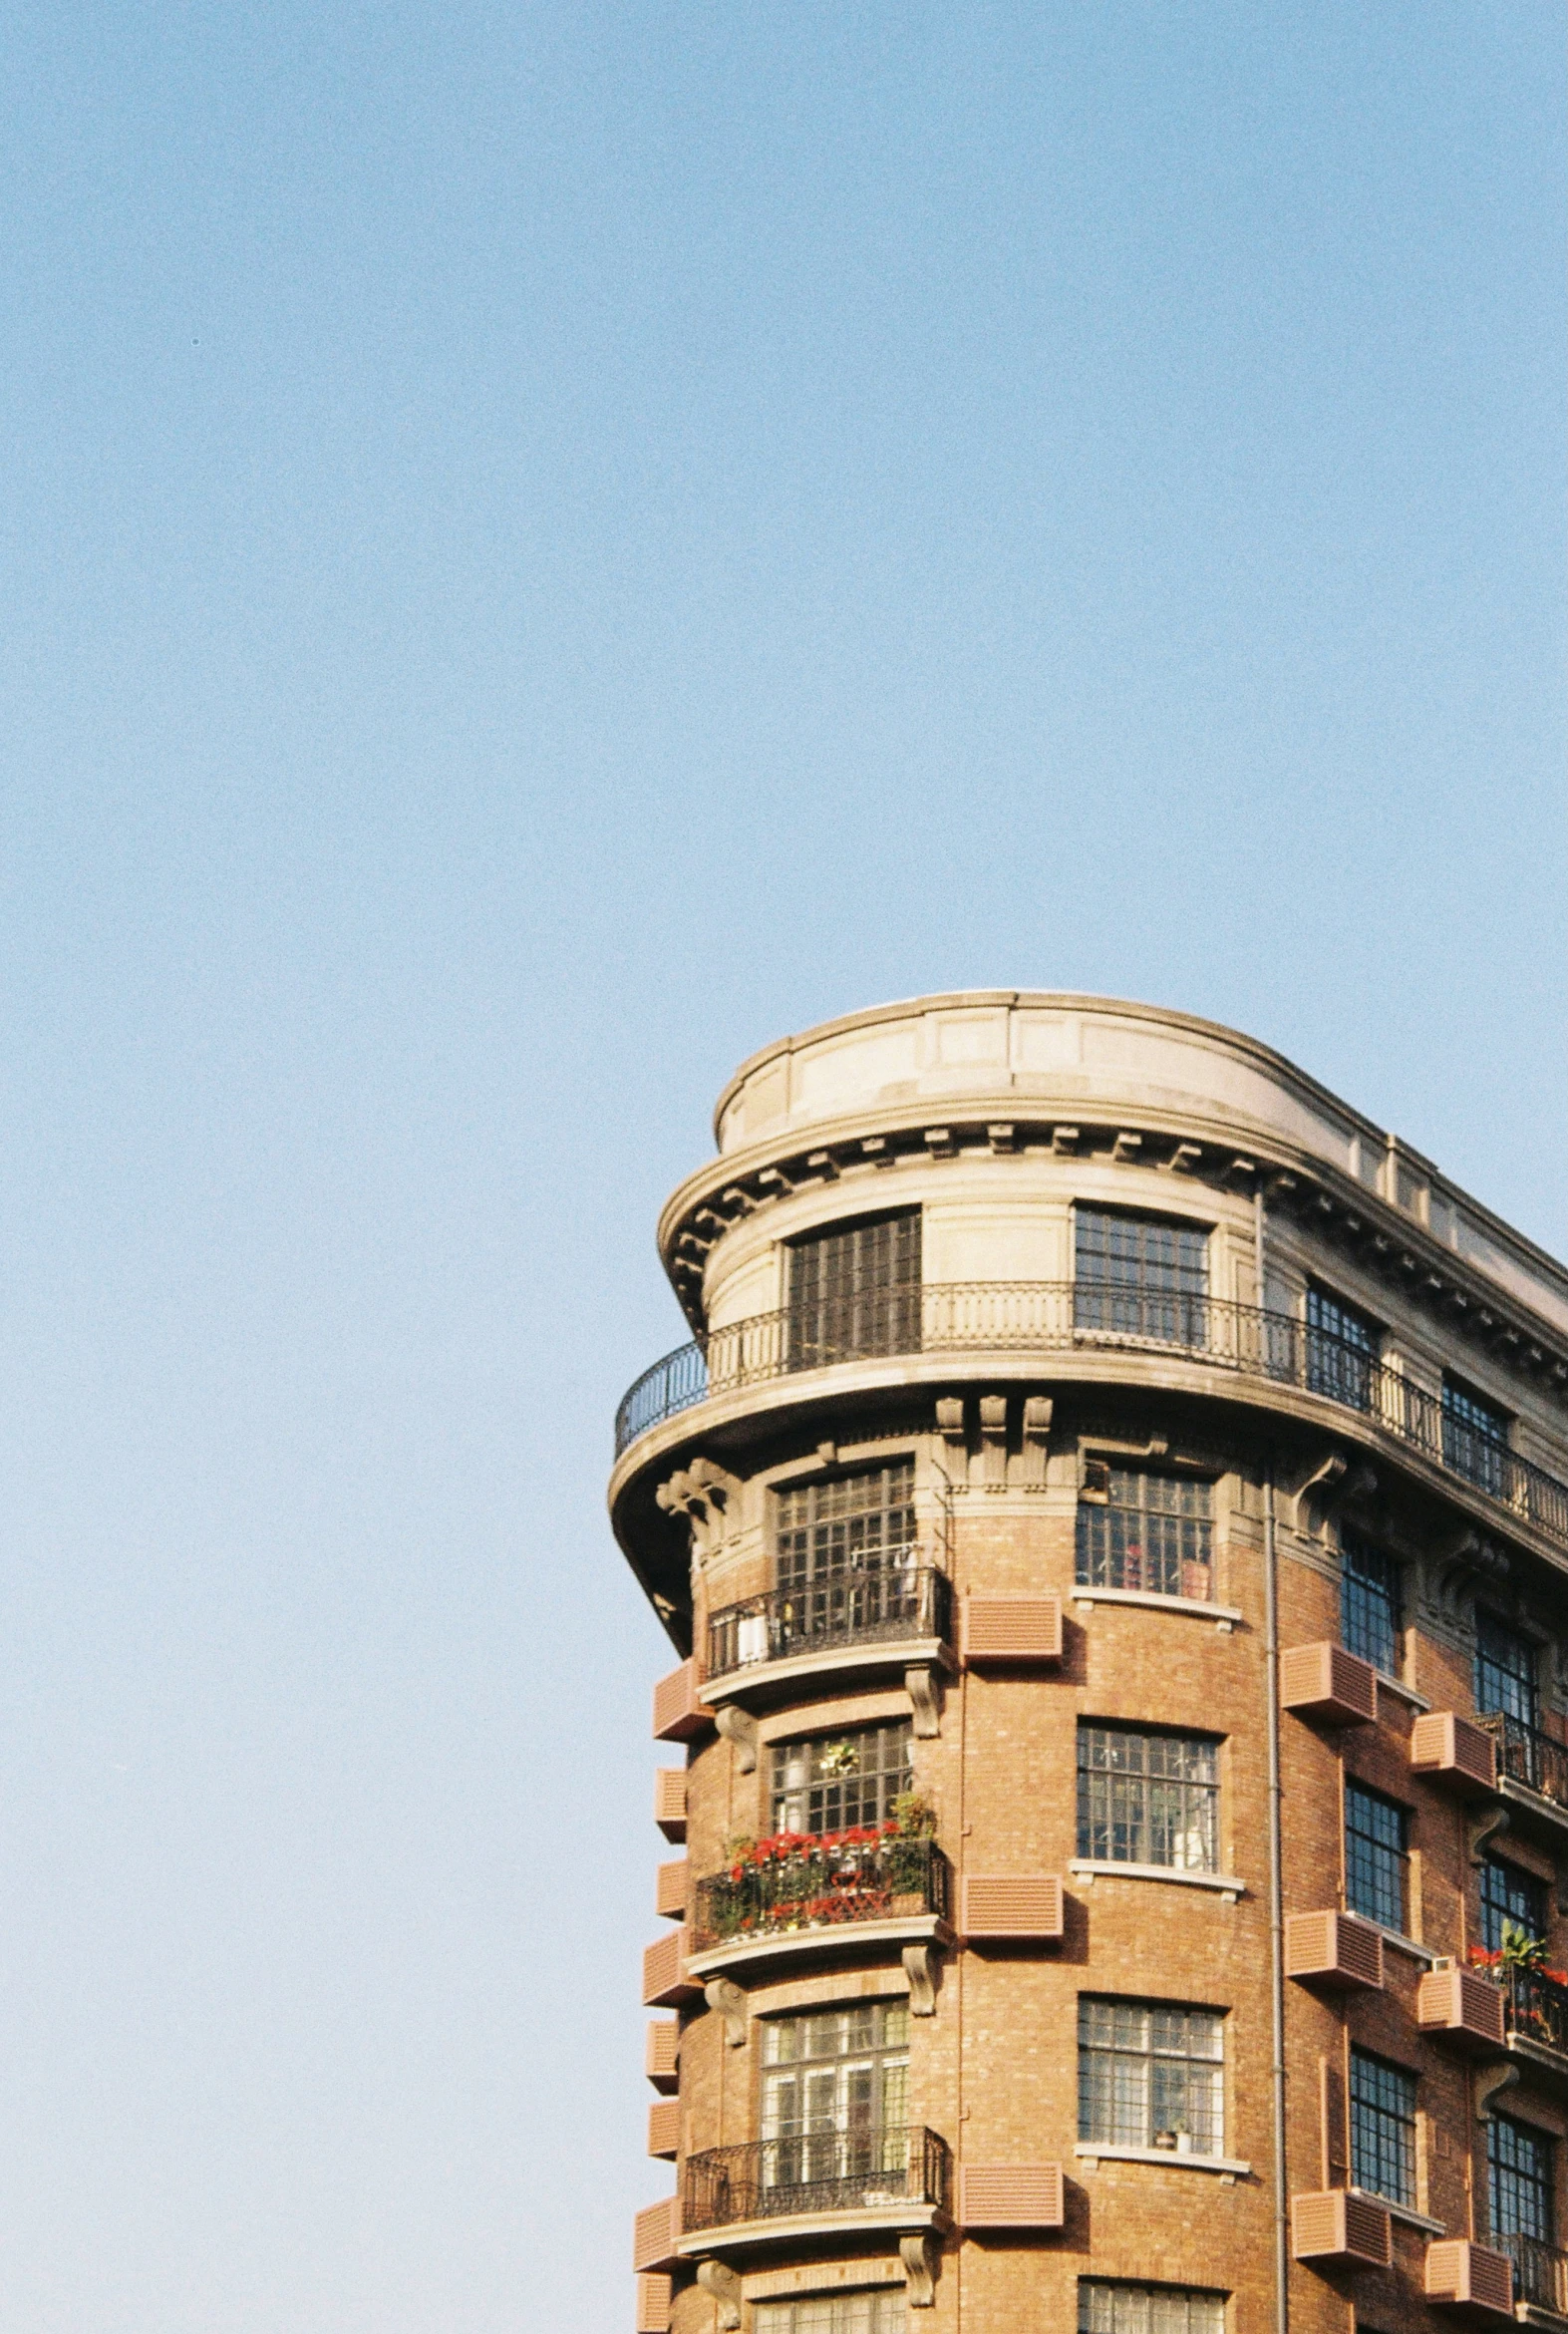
963 1318
895 1614
816 2184
1532 1770
800 1896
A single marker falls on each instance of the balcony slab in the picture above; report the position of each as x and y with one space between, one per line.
762 1679
895 2218
740 1953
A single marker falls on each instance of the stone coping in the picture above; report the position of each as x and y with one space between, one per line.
756 1677
837 1936
1226 1883
1088 2152
787 2227
1224 1616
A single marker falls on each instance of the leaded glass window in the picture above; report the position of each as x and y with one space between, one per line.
1342 1349
1368 1604
1147 2072
1148 1798
1104 2308
1140 1276
1375 1855
854 1290
1519 2170
835 2313
848 1524
1382 2129
1505 1676
1475 1437
833 1783
1511 1899
1147 1531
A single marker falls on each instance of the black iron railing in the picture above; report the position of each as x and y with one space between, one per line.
1535 2007
858 2171
884 1605
824 1883
1028 1317
1540 2271
1526 1754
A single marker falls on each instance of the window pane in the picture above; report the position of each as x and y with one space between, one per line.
1382 2128
1375 1855
1368 1604
1475 1437
860 1522
1504 1669
1342 1349
833 1783
838 2313
1140 1276
1149 2072
1510 1897
854 1290
1519 2167
1104 2308
1148 1798
1152 1533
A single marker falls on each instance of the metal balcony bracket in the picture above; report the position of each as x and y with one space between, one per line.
723 2282
993 1442
727 2001
739 1728
1489 2081
925 1701
1484 1827
1036 1435
920 1969
950 1426
918 2254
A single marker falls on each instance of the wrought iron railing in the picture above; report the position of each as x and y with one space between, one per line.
1526 1754
1535 2007
824 1883
1540 2271
999 1316
856 2170
882 1605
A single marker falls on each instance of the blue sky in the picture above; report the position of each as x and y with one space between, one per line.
540 549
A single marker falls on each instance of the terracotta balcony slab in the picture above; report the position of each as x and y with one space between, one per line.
768 1681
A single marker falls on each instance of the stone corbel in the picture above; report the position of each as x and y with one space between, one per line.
1485 1826
920 1969
725 2000
1036 1434
918 2254
993 1442
723 2282
1325 1486
823 1164
924 1700
705 1495
738 1729
1489 2081
950 1426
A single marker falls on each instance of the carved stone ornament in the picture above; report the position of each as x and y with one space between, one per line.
719 2279
706 1495
920 1969
950 1426
1326 1486
918 2254
1482 1829
727 2001
924 1700
993 1442
1036 1435
1489 2081
739 1727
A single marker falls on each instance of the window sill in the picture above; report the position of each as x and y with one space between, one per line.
1397 1686
1232 2166
1223 1616
1225 1883
1405 2212
1397 1940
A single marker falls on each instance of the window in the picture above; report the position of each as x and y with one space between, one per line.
1342 1349
1382 2129
835 2090
1511 1899
834 2313
854 1290
1504 1669
1148 1531
858 1524
1148 2073
1519 2170
1475 1437
1140 1276
1147 2309
1368 1604
1148 1798
830 1782
1375 1855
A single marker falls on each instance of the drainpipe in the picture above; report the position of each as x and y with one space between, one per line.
1271 1631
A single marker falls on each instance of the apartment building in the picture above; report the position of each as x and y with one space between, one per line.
1111 1516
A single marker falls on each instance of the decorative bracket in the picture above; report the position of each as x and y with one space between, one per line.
918 2254
1327 1485
739 1728
1482 1830
704 1493
920 1969
993 1442
921 1687
727 2001
1036 1433
950 1426
719 2279
1489 2081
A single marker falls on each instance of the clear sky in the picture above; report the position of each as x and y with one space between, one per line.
541 548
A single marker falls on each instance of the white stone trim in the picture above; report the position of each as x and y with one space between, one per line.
1090 2152
1226 1883
1224 1616
1405 2212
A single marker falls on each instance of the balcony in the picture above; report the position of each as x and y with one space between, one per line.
815 2184
960 1319
1535 2015
798 1895
1532 1770
1541 2272
894 1614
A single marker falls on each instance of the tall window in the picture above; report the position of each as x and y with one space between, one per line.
1147 2072
1138 1529
831 1783
1504 1669
1382 2129
1148 1799
1342 1349
1368 1604
1511 1899
835 2091
882 2312
856 1524
1375 1855
1519 2180
854 1291
1104 2308
1140 1276
1475 1437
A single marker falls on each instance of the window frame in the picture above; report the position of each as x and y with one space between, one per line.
1173 1541
1529 1680
1354 1637
1405 2123
891 1781
1477 1442
1162 1300
1523 2181
1151 2320
1102 2082
1147 1825
1343 1356
1495 1911
842 1301
1399 1857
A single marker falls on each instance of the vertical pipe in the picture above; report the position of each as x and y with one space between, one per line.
1271 1631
